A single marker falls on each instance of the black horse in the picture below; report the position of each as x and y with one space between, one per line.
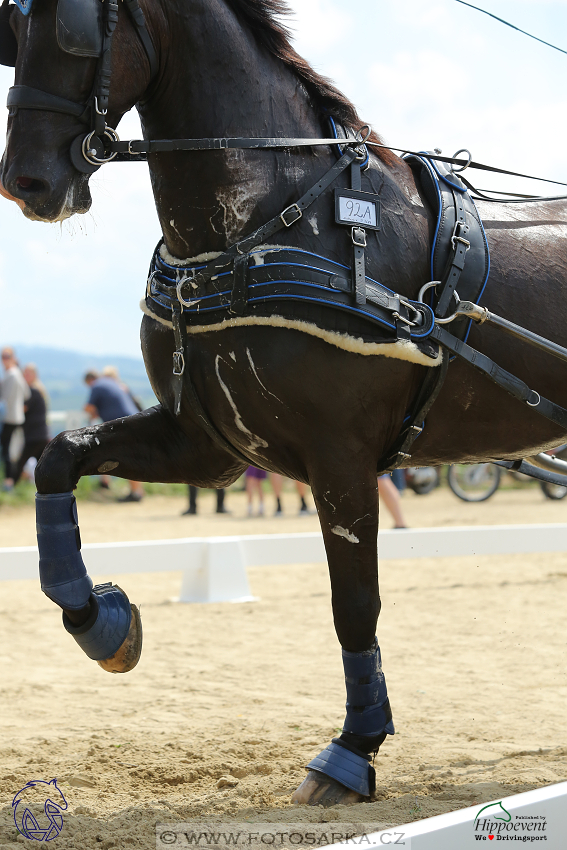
320 405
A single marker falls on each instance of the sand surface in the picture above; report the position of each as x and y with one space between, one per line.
242 696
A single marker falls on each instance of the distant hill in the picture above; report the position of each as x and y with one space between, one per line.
62 374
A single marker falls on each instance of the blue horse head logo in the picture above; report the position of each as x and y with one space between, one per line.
54 803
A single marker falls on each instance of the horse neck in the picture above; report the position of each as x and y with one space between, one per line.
219 82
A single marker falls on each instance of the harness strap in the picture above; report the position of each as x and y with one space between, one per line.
359 245
515 386
26 97
426 398
139 22
240 285
182 382
457 260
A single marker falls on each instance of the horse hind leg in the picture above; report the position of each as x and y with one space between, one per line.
342 772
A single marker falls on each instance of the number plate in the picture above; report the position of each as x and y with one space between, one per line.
357 208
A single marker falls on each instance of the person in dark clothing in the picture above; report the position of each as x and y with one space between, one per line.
192 509
108 401
36 431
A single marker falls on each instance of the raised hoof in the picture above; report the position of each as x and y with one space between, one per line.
320 790
128 655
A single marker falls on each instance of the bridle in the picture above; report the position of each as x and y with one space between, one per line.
88 38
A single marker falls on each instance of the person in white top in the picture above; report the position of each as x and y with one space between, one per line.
14 392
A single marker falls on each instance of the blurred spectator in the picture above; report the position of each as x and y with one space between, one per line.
112 372
254 481
14 392
390 495
277 485
108 401
36 432
192 509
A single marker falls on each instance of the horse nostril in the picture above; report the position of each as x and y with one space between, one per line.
29 184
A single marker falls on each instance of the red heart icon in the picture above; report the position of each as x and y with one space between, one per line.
490 837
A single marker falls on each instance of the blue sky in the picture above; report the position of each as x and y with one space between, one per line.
425 74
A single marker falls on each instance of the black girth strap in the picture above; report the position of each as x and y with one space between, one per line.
516 387
426 398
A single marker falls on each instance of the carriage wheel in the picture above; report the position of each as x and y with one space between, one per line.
553 491
475 482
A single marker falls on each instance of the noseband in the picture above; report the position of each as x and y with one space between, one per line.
83 29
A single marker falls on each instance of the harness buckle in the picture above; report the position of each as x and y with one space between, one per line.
457 238
359 237
178 363
293 210
97 108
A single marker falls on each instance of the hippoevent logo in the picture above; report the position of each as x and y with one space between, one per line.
495 823
34 797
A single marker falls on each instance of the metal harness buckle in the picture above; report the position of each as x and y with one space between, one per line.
359 237
294 210
457 238
178 363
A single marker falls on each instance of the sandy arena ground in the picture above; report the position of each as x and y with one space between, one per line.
229 702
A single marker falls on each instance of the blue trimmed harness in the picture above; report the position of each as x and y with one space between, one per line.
300 285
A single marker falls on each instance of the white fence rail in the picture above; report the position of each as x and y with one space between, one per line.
214 568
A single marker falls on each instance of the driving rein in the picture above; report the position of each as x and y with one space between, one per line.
236 284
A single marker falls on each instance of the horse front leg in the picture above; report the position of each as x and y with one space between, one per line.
150 446
348 511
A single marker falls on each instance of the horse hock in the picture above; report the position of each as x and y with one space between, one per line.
345 762
112 633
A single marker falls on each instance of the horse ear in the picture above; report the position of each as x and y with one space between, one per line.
8 43
79 27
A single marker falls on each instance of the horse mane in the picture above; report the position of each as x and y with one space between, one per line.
262 17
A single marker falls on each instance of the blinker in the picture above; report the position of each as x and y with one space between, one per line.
8 43
79 27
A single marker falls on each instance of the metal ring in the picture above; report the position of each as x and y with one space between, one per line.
424 289
463 167
92 157
149 283
537 403
180 297
368 134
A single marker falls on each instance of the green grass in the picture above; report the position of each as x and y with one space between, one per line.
89 489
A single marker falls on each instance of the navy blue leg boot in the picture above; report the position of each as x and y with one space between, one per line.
368 722
112 634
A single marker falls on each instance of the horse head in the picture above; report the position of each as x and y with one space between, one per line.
57 47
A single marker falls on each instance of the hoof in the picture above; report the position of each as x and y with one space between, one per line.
320 790
128 655
112 635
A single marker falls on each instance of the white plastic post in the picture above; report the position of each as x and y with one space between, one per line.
221 575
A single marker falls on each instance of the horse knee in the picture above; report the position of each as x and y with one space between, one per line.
55 471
